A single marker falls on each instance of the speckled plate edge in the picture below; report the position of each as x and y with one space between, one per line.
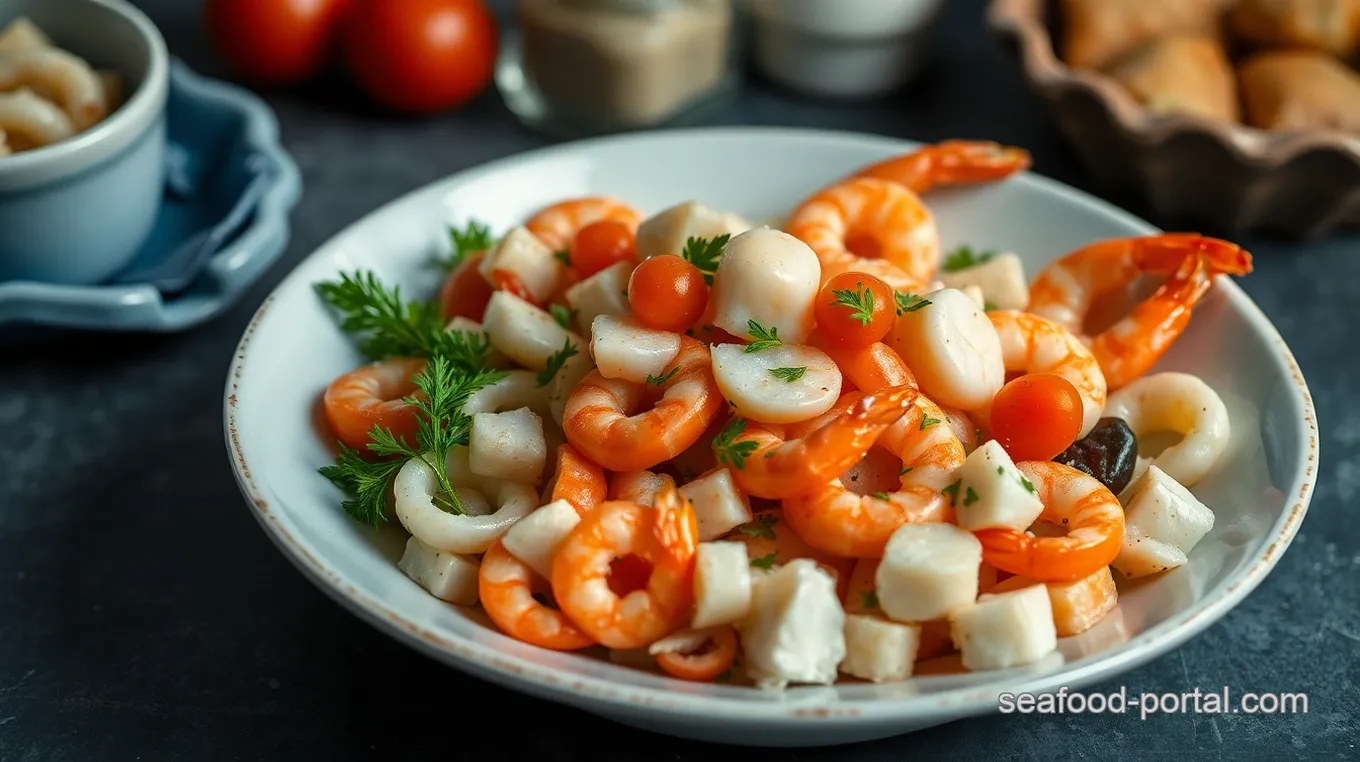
912 711
140 307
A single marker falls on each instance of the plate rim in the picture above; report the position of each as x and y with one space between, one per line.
596 693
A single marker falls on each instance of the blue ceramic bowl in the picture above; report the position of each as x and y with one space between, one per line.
77 211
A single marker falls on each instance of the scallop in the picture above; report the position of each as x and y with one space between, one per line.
781 384
769 277
952 347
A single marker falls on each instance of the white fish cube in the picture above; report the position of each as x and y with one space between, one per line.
1163 509
624 348
565 382
879 650
666 232
722 583
604 293
928 570
1005 629
718 505
535 538
992 493
528 259
447 576
1001 278
508 446
526 334
1142 556
795 631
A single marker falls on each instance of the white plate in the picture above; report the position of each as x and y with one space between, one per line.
292 349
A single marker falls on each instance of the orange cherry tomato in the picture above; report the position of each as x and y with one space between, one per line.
421 56
466 293
601 244
713 658
667 293
855 309
372 396
1036 416
277 42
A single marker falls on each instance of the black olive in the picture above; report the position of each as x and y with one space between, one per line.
1108 453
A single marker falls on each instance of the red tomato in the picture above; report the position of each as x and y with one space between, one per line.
667 293
273 41
1036 416
466 293
601 244
421 56
855 309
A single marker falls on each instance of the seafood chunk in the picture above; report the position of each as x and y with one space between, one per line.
992 492
879 650
722 584
624 348
447 576
535 538
1005 630
795 631
770 278
927 571
508 445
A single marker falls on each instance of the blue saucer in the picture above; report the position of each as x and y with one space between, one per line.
229 189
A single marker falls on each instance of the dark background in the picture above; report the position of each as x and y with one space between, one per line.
143 614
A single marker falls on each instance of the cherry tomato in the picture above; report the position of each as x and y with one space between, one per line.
667 293
855 309
278 42
1036 416
601 244
712 659
421 56
466 293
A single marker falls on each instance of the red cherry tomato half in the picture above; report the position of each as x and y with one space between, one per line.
601 244
1036 416
667 293
277 42
855 309
466 293
421 56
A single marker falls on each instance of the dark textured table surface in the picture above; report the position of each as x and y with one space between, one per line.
143 614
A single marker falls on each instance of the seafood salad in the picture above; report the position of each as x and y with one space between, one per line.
821 450
47 94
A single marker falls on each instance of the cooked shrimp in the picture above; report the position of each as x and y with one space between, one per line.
771 541
373 395
784 468
1074 501
576 479
863 220
28 121
22 34
558 224
67 78
513 594
697 655
1181 403
639 487
952 162
1032 344
926 443
1078 605
1066 290
597 422
842 522
622 616
870 368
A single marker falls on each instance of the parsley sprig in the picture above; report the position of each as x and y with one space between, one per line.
762 527
663 378
730 451
562 315
465 242
860 301
441 425
556 362
764 338
909 302
965 257
705 254
789 374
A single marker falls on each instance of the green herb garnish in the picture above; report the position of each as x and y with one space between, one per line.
964 257
663 378
764 338
860 301
764 562
788 374
909 302
471 239
762 527
705 254
730 451
556 362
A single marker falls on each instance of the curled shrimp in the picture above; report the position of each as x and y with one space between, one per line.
865 224
926 443
661 538
576 479
1073 501
558 224
952 162
68 79
783 468
868 369
28 121
511 593
838 521
1066 290
639 487
597 422
697 655
1032 344
374 395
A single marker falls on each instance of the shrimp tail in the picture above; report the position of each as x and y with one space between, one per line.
952 162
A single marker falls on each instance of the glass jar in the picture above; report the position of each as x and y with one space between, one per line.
585 67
